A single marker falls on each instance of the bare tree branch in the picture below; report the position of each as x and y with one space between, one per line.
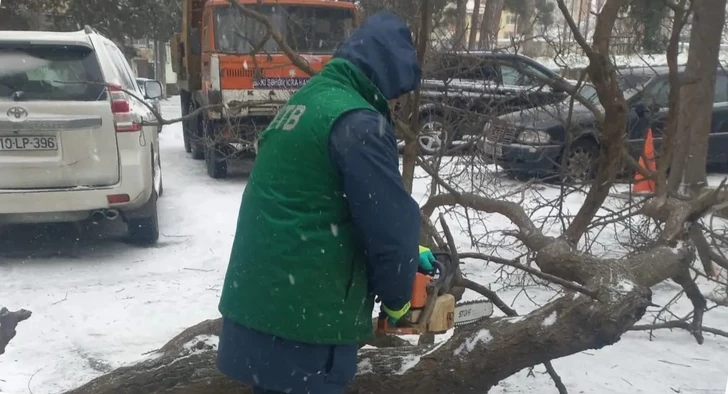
552 278
8 322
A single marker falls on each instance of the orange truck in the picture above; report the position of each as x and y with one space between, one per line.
234 80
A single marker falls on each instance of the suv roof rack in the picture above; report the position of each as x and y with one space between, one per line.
89 30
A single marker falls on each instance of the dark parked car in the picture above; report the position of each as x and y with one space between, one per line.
460 91
533 141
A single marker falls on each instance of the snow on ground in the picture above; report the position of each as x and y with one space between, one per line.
99 303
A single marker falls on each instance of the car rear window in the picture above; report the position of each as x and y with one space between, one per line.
49 73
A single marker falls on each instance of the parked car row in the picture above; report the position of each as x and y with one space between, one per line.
520 121
461 91
533 141
74 145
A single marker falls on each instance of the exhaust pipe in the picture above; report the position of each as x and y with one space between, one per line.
97 216
112 214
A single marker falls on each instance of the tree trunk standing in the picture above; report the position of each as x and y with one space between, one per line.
162 65
412 147
474 25
461 12
525 28
696 96
490 25
670 131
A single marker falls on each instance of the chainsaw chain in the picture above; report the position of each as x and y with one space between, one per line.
482 319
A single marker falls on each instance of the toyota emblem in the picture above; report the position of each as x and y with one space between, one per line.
17 113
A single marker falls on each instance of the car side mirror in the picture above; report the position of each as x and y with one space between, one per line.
153 89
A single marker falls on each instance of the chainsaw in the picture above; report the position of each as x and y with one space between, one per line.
432 306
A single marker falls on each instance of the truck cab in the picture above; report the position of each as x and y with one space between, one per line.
234 73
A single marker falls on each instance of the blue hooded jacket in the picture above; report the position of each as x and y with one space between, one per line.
363 148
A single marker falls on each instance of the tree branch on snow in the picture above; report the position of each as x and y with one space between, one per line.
8 322
678 324
696 298
473 360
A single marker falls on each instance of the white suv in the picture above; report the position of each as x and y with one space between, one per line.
74 142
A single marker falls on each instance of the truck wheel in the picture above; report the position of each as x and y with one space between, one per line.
145 231
215 160
186 109
196 138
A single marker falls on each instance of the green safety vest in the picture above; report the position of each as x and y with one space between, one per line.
297 270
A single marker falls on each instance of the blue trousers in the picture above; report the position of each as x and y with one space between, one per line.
275 365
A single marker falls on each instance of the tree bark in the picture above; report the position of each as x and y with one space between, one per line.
490 25
696 96
671 126
461 12
411 145
474 26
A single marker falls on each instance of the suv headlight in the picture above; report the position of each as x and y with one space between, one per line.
533 137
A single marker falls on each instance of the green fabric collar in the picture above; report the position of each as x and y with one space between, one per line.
346 72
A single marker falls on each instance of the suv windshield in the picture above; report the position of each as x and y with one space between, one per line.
306 29
50 72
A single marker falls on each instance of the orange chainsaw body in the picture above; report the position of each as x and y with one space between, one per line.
423 318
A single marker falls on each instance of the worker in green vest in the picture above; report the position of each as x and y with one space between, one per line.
325 224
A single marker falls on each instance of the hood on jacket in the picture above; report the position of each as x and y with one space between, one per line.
382 49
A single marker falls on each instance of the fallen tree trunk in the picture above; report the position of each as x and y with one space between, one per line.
8 322
472 361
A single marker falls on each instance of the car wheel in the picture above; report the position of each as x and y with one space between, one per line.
581 161
145 231
433 135
215 160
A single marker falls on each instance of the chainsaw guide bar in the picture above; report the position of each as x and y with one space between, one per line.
472 312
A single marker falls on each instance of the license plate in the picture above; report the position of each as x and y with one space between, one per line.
18 143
